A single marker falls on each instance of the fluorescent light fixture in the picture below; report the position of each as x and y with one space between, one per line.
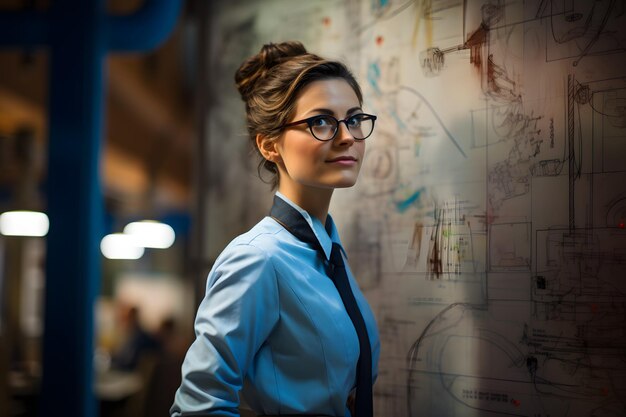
120 246
151 234
24 223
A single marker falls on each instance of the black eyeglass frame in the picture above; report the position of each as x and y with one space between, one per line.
309 121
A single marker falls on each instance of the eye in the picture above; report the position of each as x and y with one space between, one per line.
322 121
355 121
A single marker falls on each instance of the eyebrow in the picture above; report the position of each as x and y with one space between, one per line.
332 113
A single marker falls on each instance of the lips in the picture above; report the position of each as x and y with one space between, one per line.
342 159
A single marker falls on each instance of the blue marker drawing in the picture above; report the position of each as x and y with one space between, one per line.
373 75
403 205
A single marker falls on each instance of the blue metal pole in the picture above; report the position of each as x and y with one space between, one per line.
75 206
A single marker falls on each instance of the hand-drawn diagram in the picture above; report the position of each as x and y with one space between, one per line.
578 29
487 228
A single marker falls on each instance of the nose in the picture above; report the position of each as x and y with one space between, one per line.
344 136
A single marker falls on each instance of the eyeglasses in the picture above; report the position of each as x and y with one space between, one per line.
325 127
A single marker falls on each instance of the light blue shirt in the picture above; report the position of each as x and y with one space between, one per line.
272 325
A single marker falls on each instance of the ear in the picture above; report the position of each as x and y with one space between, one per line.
268 148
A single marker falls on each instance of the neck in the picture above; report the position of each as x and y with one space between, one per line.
314 201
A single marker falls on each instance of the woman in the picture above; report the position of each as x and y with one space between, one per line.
272 324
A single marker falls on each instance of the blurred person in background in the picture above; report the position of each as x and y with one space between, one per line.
135 341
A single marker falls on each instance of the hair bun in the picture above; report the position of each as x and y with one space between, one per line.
254 68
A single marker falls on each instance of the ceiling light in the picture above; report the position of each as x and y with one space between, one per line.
120 246
24 223
151 234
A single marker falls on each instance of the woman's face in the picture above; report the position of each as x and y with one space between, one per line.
305 163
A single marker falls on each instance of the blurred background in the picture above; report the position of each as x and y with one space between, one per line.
138 105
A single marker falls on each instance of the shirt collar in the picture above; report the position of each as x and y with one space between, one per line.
326 235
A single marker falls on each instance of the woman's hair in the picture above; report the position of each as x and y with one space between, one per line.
270 83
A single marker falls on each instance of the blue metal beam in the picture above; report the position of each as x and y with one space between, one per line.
145 29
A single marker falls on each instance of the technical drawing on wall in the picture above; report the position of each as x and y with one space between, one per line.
488 226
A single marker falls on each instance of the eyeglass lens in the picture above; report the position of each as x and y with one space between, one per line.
325 127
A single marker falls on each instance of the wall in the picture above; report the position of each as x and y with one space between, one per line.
487 227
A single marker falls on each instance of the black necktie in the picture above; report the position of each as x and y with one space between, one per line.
292 220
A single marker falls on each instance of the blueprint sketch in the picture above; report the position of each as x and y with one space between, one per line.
487 228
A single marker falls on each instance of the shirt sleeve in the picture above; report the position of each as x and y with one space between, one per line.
236 316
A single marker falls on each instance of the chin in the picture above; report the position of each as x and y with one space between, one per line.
344 183
332 182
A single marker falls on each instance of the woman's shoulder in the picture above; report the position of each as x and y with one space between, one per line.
248 257
266 238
